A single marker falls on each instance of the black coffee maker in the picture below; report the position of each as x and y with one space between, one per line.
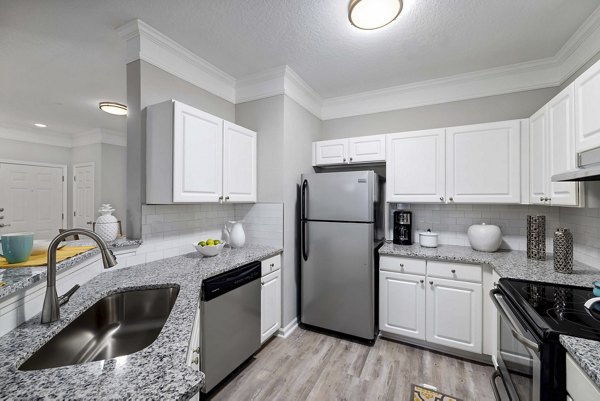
402 227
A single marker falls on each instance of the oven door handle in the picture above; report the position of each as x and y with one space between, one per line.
515 331
496 375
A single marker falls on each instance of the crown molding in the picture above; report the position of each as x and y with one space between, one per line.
43 137
148 44
97 136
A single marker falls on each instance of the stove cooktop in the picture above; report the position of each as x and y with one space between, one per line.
556 309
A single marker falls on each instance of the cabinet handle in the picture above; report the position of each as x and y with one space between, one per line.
421 281
344 160
451 199
227 198
541 199
548 199
1 209
272 265
195 361
441 198
431 282
1 217
402 265
350 159
196 350
453 271
4 225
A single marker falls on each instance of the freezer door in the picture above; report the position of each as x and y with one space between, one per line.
338 278
344 196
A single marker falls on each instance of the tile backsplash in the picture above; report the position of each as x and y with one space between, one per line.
170 230
452 222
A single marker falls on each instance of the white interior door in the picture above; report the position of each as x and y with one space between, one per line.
239 163
83 195
32 197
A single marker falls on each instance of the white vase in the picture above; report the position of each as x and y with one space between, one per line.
485 237
107 225
237 237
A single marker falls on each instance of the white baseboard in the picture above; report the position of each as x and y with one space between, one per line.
285 332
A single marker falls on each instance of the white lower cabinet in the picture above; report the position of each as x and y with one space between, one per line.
454 314
270 305
446 311
579 385
402 304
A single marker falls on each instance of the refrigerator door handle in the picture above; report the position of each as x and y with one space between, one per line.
303 239
303 200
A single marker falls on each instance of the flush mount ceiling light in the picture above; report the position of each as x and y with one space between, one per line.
40 125
373 14
113 108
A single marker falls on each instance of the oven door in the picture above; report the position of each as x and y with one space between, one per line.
517 359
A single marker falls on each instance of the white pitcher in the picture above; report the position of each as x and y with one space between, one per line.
236 235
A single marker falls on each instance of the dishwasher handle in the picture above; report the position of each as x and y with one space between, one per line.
223 283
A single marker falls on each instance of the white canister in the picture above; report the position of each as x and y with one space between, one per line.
428 239
107 225
485 237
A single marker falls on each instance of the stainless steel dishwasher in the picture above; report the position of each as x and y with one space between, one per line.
229 322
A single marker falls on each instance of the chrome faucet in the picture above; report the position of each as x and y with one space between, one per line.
51 308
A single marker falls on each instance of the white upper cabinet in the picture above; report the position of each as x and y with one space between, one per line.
587 117
561 152
197 155
330 152
367 149
552 151
483 163
415 168
194 157
239 163
538 150
364 149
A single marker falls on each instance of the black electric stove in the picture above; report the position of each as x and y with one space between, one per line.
531 317
555 309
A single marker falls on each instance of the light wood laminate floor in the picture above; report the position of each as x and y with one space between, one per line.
313 366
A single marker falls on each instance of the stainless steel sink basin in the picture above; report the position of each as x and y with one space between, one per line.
118 324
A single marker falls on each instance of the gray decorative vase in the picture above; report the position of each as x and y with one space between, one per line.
563 250
536 237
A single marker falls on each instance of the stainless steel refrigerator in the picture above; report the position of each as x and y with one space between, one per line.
340 231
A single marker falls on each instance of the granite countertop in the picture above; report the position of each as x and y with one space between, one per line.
156 372
586 353
17 278
506 263
514 264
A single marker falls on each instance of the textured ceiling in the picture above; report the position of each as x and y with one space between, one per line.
59 58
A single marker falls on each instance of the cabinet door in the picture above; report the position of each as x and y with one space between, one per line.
239 163
561 150
483 163
454 314
402 304
270 305
331 152
415 168
367 149
538 151
197 155
587 117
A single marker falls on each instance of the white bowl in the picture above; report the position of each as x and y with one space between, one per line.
485 237
208 250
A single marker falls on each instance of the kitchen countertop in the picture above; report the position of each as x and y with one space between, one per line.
18 278
156 372
586 353
514 264
506 263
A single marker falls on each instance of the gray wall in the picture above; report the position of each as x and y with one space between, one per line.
265 116
114 186
487 109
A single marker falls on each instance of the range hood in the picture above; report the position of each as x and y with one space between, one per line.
588 163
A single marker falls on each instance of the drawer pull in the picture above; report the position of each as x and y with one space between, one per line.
431 282
421 281
402 265
196 350
453 271
195 361
272 265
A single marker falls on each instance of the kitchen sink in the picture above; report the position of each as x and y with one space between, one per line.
118 324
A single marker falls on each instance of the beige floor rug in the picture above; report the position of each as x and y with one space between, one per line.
420 393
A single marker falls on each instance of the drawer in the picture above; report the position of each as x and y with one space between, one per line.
402 265
454 271
270 265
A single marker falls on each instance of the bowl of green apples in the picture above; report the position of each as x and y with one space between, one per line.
209 247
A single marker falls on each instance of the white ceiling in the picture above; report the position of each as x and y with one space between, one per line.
60 58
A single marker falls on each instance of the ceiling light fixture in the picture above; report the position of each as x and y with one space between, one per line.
373 14
113 108
40 125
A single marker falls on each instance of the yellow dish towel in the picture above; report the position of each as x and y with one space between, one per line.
42 258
